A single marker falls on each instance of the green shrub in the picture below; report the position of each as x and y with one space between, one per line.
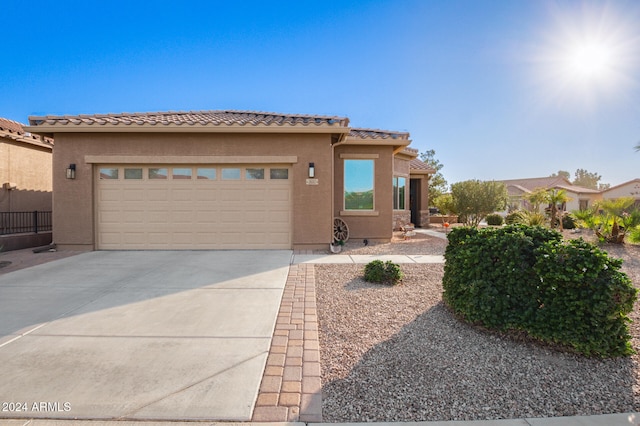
494 219
514 218
382 272
526 278
534 219
568 221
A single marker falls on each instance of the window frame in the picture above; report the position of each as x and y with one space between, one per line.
345 179
397 194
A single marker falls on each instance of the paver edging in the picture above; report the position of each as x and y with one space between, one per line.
291 389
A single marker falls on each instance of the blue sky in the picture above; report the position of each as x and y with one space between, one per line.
483 82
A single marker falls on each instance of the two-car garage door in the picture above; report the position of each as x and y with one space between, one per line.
193 207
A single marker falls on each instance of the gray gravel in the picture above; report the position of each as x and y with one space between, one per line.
397 354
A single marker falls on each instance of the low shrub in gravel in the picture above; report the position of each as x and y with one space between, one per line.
527 278
382 272
494 219
514 218
568 221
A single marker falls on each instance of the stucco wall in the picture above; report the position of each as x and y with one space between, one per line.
74 216
575 198
376 225
629 189
401 166
29 167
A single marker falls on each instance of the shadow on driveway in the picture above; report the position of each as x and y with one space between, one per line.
139 334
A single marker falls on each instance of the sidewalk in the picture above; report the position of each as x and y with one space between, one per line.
625 419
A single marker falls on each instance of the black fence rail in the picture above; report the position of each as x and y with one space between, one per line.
24 222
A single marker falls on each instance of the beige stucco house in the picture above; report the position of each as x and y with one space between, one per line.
626 189
580 197
25 187
25 169
227 180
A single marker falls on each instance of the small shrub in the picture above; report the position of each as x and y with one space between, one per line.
494 219
382 272
514 218
568 221
534 219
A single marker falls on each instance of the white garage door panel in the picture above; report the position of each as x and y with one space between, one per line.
192 213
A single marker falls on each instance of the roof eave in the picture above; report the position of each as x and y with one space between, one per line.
22 139
421 171
398 144
50 130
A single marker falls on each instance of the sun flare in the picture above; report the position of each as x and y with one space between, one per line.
590 61
587 55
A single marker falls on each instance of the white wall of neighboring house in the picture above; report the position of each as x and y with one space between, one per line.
587 200
627 189
580 199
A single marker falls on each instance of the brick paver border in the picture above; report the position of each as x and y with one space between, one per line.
291 389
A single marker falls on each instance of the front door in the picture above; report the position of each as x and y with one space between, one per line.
414 201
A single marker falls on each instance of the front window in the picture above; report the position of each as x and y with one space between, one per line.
399 191
358 184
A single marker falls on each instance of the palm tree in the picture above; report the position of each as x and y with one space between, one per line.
556 197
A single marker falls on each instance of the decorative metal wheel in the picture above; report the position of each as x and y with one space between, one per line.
340 230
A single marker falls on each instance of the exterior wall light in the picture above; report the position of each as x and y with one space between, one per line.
71 171
312 170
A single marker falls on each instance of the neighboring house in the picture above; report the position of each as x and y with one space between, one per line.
25 169
25 187
627 189
580 198
227 180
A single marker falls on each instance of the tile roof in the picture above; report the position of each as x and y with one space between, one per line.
191 118
420 165
13 130
377 134
532 184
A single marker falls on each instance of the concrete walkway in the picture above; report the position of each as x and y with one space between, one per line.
361 258
139 335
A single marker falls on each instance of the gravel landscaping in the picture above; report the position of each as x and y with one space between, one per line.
397 353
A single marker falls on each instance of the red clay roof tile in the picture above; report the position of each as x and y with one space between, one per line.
377 134
14 130
192 118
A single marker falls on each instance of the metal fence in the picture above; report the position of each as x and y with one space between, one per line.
24 222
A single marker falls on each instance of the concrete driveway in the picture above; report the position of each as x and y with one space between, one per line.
139 334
